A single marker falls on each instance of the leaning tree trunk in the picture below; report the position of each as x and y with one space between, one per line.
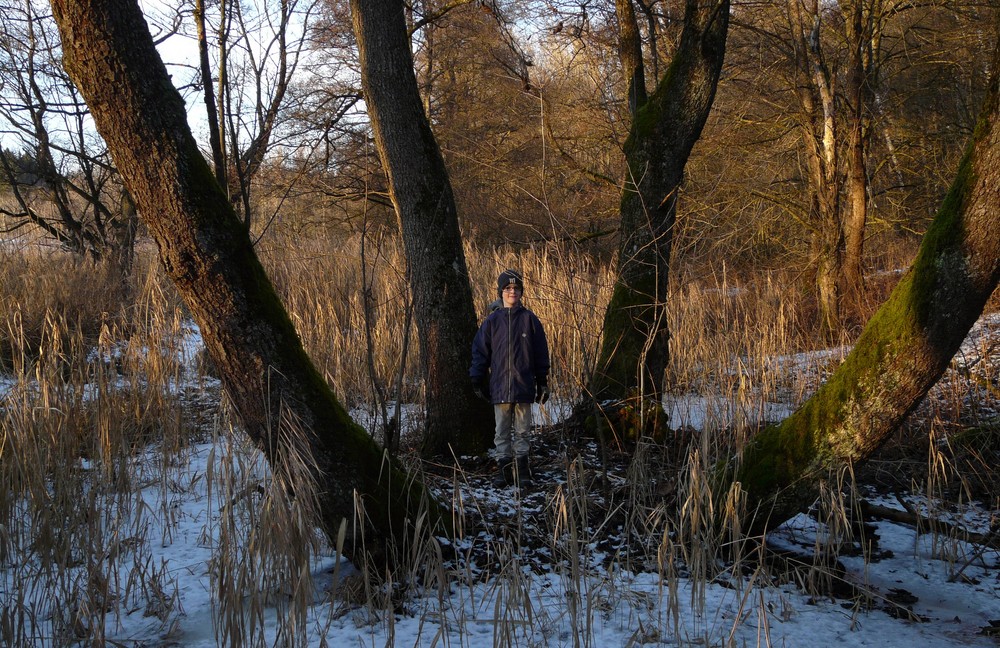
425 206
207 253
905 347
665 127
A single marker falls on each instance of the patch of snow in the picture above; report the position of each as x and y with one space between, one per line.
6 384
716 412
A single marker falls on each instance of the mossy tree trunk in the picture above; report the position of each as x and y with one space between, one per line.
665 126
422 195
905 347
205 249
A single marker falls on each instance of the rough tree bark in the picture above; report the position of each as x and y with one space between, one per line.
905 347
421 193
207 253
665 127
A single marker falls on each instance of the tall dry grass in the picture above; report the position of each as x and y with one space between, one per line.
94 389
102 409
325 285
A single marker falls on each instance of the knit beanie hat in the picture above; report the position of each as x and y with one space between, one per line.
509 278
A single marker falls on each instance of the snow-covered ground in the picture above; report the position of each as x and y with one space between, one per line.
920 589
612 608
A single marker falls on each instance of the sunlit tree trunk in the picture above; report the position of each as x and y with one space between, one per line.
282 401
815 91
903 350
422 195
856 182
862 20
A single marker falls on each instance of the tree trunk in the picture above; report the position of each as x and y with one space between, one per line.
630 55
858 94
855 223
421 192
279 396
815 91
208 90
905 347
829 270
123 234
665 127
862 28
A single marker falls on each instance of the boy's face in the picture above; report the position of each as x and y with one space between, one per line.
511 296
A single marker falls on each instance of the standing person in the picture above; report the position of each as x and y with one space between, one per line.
510 368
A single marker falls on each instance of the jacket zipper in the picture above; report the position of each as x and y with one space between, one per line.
510 357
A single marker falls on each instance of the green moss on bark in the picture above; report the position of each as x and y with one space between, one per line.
822 433
900 354
629 313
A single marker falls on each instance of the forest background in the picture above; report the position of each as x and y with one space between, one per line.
527 104
822 161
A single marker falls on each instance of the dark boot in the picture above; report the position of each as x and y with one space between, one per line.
505 473
523 472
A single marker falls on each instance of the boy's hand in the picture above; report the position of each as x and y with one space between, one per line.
541 390
481 388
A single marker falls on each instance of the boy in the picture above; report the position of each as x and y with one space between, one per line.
510 368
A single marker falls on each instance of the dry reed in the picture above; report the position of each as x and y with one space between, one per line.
99 409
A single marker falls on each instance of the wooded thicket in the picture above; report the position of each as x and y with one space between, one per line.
528 104
834 132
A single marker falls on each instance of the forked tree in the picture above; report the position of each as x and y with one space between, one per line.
284 404
835 129
904 349
665 127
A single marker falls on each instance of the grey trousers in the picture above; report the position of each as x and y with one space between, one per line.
513 425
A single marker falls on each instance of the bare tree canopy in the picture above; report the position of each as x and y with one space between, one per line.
60 176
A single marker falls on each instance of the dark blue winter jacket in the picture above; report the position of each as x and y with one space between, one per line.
511 349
